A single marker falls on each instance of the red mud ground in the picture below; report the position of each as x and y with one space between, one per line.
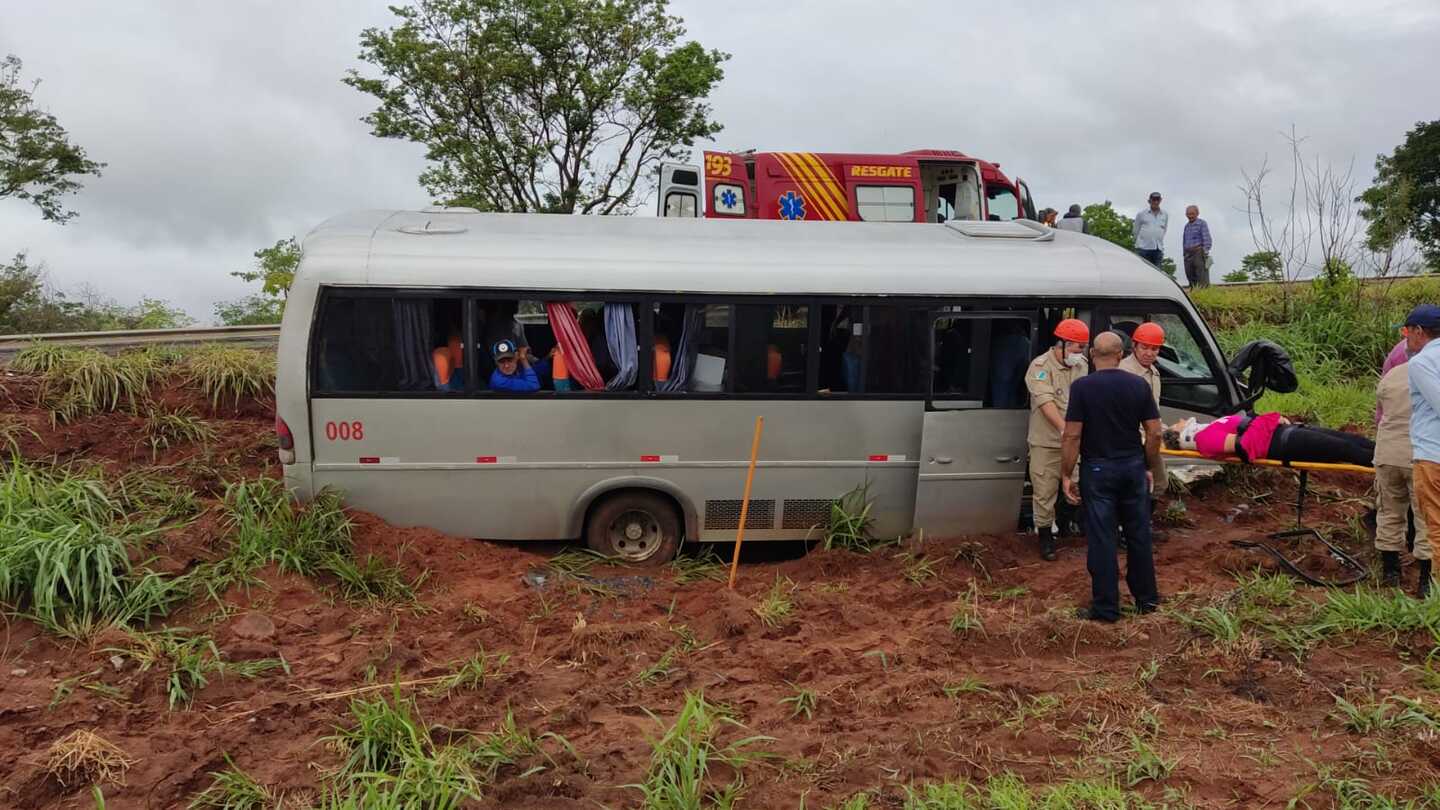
1248 726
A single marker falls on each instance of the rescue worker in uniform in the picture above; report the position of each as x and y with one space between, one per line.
1048 380
1395 487
1145 345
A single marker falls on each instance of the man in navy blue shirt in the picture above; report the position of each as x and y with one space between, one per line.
1101 426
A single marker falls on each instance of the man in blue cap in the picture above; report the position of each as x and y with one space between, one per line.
1422 326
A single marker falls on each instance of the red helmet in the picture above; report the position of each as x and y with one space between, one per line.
1149 333
1074 330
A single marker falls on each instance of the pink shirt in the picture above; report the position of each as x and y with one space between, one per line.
1210 442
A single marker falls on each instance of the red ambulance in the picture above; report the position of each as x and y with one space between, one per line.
927 185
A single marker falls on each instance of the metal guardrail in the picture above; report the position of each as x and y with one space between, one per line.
1309 279
262 335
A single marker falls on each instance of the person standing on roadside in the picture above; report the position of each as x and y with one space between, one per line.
1145 350
1048 379
1073 220
1394 484
1195 243
1149 231
1422 326
1108 409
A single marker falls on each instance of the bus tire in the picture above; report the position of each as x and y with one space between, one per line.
641 528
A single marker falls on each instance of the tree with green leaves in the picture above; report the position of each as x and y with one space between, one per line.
1102 220
1405 197
1263 265
559 106
275 268
29 305
38 163
1235 276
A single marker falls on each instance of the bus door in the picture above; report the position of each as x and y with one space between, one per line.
679 190
952 190
972 445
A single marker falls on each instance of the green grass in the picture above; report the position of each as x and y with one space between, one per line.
1384 612
190 661
1009 792
392 760
658 671
166 429
1145 764
965 619
804 701
1217 623
77 383
233 789
705 565
776 605
680 777
1371 716
313 540
65 553
850 522
227 372
473 673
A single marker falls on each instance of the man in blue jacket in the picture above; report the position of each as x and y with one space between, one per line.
513 371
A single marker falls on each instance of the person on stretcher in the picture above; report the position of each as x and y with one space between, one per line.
1269 436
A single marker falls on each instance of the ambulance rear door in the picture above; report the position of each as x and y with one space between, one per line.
680 190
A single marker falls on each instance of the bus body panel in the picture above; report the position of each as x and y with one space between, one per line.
516 468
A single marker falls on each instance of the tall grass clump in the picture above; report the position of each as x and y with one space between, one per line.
227 372
392 760
65 545
76 383
268 526
41 358
679 777
850 521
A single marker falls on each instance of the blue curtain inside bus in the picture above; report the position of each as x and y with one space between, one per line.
624 349
684 356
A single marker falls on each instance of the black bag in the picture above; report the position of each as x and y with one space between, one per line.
1269 368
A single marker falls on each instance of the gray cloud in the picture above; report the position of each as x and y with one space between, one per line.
226 126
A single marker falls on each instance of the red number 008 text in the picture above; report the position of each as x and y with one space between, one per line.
344 431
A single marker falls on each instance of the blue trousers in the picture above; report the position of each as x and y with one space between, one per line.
1154 257
1113 494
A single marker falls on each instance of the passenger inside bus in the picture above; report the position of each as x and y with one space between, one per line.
514 370
449 364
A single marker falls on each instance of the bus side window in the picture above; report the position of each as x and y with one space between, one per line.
696 340
771 347
388 344
1187 379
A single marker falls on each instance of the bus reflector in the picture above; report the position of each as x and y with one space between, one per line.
650 458
486 459
661 459
369 459
887 457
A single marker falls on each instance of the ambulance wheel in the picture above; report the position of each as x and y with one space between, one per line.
640 528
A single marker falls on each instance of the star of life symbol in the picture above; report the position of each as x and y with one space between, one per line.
792 206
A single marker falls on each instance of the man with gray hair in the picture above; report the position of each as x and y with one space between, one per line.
1103 424
1196 242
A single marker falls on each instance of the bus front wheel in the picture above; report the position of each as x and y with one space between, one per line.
637 527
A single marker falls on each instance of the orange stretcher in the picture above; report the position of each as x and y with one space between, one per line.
1358 571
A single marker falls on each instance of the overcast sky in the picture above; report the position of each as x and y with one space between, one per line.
226 127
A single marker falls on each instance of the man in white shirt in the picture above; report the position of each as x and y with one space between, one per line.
1149 232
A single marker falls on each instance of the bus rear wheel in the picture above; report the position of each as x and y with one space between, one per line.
640 528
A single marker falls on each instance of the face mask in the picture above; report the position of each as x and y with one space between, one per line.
1075 360
1187 434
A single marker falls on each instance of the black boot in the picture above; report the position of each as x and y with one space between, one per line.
1389 569
1047 543
1422 589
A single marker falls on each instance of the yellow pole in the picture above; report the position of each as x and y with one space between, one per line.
745 500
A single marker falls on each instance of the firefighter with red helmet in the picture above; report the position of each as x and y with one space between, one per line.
1048 379
1145 343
